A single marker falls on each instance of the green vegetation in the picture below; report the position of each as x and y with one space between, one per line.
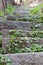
20 46
1 13
10 9
19 42
0 50
37 9
33 34
35 14
35 48
0 39
36 18
4 60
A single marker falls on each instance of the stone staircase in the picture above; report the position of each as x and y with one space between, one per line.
29 58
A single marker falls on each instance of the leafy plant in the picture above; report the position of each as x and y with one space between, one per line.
16 34
5 60
37 9
38 34
36 48
0 50
16 46
21 46
9 10
1 13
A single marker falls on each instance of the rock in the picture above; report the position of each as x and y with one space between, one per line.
32 58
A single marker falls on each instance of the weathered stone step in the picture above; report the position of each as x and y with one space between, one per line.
22 12
21 25
32 58
30 40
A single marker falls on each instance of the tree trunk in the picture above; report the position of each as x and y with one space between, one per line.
6 2
3 3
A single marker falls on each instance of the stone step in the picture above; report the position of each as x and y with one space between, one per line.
31 58
30 40
21 25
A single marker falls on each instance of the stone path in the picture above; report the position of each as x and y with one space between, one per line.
31 58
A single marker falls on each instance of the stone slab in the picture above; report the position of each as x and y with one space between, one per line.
32 58
20 25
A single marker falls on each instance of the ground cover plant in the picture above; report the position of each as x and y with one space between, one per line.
1 50
15 34
37 9
21 45
8 12
1 13
4 60
19 42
